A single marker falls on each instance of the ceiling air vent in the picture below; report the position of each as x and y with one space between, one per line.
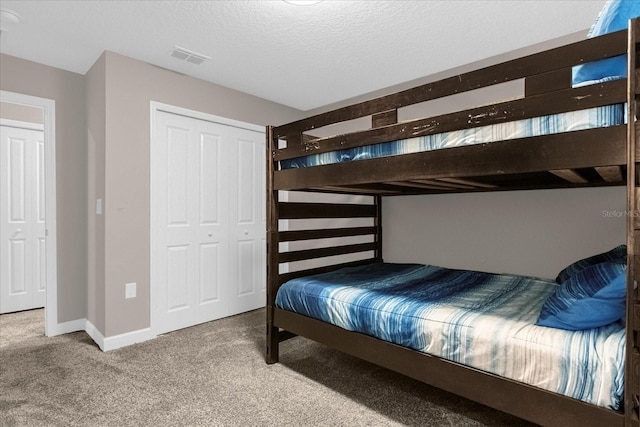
188 55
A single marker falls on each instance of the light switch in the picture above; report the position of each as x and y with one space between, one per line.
130 290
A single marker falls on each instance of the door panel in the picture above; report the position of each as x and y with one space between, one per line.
196 193
178 277
177 170
209 179
249 219
18 267
22 227
209 273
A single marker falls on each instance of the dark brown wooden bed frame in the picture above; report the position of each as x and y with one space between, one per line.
596 157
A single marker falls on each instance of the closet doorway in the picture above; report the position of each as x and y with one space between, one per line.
28 263
208 220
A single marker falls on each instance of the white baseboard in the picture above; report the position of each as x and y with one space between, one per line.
117 341
129 338
95 334
66 327
105 344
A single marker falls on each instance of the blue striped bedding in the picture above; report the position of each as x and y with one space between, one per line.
574 120
482 320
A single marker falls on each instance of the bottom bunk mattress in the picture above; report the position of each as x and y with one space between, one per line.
486 321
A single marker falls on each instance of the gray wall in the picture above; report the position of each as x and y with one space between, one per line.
130 85
96 140
67 90
535 233
102 142
21 113
530 232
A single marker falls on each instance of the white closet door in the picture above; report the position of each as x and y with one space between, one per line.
22 220
196 273
247 209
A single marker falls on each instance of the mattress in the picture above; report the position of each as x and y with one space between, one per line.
482 320
609 115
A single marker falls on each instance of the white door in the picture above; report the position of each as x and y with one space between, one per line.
208 223
247 210
22 215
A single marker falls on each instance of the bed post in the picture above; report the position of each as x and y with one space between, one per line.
632 356
377 223
273 265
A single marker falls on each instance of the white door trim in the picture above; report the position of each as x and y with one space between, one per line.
21 125
155 108
52 327
167 108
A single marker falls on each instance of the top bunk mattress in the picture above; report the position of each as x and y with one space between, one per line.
486 321
609 115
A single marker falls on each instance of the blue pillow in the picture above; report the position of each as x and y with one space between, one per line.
613 17
619 252
591 298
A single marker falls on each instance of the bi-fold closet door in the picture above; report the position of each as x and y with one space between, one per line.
208 226
22 218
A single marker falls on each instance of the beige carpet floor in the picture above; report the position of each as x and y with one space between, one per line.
209 375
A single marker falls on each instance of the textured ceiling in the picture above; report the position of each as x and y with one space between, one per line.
301 56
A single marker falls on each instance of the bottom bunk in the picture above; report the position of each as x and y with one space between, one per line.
476 334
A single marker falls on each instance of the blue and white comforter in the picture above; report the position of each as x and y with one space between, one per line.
482 320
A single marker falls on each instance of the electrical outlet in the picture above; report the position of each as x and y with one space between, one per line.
130 290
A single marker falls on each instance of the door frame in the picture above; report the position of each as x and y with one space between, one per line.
21 125
49 124
155 108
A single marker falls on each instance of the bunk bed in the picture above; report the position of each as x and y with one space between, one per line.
416 156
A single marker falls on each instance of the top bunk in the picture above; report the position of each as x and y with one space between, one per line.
555 134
